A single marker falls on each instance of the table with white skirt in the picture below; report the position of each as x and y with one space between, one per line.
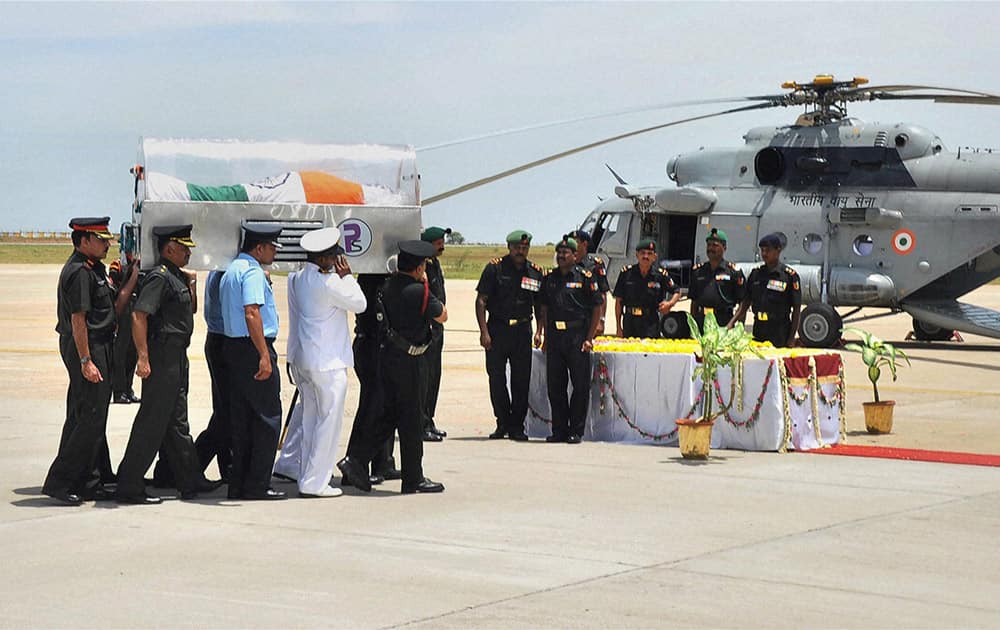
786 402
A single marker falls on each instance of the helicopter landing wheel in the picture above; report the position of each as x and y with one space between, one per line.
929 332
820 326
675 326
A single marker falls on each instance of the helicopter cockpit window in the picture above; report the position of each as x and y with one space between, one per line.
864 245
813 244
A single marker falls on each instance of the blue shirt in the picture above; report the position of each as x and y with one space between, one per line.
243 284
212 306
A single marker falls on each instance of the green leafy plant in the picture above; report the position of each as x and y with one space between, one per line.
876 354
720 347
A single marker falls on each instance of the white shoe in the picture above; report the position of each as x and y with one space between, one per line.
326 491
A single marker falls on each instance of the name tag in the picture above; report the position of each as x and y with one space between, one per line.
723 277
635 311
762 317
560 325
776 285
574 285
530 284
653 285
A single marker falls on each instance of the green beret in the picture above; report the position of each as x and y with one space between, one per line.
717 235
433 233
646 243
519 236
567 242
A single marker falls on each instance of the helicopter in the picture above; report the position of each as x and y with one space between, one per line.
871 215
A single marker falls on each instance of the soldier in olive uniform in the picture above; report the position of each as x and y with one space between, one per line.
408 307
643 292
596 266
125 280
162 324
86 327
570 314
717 286
435 280
774 293
508 290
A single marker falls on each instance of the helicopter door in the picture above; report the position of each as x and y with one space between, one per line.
611 233
677 237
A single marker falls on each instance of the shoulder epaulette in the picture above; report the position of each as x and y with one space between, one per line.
663 272
597 260
791 271
89 264
536 267
625 268
496 261
586 274
732 265
695 267
163 268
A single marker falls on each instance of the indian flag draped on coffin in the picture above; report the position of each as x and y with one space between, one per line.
277 172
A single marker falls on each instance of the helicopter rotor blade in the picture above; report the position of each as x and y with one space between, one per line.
556 156
959 99
906 88
588 117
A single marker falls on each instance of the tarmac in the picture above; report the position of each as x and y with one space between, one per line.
530 535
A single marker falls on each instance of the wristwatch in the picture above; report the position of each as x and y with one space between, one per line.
84 360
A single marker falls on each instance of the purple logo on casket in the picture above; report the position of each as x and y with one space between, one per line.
357 236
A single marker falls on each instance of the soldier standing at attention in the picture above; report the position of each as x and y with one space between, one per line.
86 327
435 280
717 286
508 290
570 314
774 293
250 318
162 324
408 307
595 265
642 294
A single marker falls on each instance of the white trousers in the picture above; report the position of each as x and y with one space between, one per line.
310 450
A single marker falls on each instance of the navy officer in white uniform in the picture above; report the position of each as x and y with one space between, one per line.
319 352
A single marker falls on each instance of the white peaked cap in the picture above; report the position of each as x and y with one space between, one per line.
318 241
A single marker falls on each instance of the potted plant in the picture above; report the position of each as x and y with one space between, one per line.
720 347
877 354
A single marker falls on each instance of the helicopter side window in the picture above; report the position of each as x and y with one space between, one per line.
864 245
812 243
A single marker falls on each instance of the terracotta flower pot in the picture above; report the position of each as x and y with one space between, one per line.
695 438
878 416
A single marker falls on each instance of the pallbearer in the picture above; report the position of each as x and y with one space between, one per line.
162 324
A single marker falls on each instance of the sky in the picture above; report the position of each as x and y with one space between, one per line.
82 82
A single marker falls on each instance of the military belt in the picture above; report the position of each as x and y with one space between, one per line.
398 341
567 325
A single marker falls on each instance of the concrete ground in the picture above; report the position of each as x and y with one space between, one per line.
526 535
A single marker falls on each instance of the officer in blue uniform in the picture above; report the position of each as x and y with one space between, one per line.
508 291
163 321
642 293
774 293
214 441
570 314
717 285
250 319
407 308
435 280
86 327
